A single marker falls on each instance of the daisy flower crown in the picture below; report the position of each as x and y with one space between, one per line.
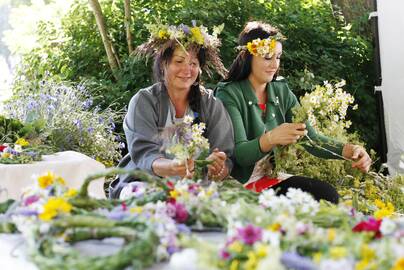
187 37
263 47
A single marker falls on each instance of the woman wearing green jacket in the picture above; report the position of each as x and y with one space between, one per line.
260 108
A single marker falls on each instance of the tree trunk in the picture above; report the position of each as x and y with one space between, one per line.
102 27
128 22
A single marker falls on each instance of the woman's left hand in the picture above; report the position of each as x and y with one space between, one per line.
360 158
218 165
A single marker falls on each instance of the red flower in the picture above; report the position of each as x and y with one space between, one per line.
371 225
2 147
170 185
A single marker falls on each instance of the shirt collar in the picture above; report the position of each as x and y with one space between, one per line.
250 96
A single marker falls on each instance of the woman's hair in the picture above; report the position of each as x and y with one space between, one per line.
164 57
240 69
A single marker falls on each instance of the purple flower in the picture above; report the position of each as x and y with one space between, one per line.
117 215
294 261
30 200
182 228
193 23
26 212
172 249
250 234
185 29
77 123
87 104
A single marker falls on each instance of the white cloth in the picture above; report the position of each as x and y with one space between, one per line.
391 28
74 167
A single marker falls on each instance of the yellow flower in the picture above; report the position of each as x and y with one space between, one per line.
22 142
338 252
367 253
399 265
236 247
317 257
136 210
197 35
261 250
384 210
251 263
163 34
174 194
272 45
361 265
274 227
46 180
53 207
5 155
331 234
70 193
234 265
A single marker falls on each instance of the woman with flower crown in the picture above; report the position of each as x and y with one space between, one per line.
180 54
260 107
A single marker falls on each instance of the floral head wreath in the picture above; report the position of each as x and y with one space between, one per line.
263 47
189 38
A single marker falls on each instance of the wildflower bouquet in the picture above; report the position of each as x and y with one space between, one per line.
69 119
185 141
21 152
325 109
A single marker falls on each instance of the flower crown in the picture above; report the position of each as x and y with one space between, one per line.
263 47
189 38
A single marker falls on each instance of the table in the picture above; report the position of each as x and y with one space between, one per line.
70 165
13 253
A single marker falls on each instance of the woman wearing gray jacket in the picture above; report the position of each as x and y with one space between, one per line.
180 54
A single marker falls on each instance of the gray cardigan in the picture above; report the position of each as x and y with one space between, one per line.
147 115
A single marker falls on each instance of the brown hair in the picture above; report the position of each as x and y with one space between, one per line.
240 69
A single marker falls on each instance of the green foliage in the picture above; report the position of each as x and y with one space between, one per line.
319 41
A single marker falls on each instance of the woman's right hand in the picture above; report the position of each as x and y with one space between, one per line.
284 134
167 167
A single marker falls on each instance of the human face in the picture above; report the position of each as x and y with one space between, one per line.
182 70
263 69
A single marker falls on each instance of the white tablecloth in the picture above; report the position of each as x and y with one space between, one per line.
70 165
13 253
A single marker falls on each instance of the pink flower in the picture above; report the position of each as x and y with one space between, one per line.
371 225
177 211
250 234
224 254
31 199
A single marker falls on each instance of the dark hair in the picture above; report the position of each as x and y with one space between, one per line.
240 69
164 57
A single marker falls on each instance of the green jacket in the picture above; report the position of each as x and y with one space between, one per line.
248 123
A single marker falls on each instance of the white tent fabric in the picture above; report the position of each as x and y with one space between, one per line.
391 38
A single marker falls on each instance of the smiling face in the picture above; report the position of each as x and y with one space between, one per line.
182 70
263 69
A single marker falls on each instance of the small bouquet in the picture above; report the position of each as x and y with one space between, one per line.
19 152
185 141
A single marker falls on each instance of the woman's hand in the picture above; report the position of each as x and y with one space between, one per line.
217 169
360 158
167 167
284 134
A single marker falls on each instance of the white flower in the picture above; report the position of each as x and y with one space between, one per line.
340 84
272 262
187 259
133 189
344 264
388 226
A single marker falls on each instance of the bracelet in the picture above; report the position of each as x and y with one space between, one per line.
220 173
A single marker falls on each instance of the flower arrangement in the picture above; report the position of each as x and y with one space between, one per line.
325 108
69 121
263 47
189 38
184 141
21 152
290 236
